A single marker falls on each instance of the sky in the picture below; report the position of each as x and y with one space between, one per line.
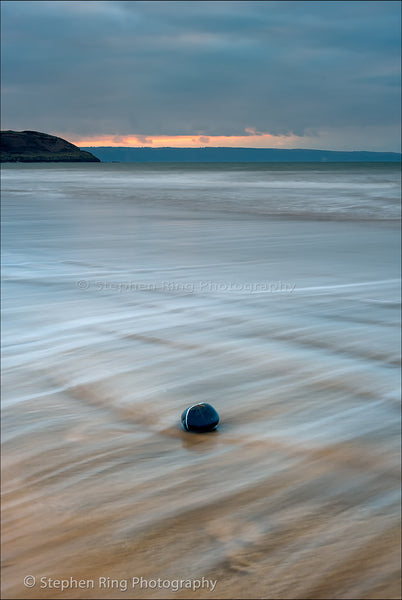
321 74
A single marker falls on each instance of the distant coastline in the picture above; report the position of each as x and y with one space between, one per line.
148 154
34 146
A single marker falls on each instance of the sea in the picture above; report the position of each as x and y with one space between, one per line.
132 291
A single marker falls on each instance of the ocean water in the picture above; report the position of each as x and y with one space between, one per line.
131 291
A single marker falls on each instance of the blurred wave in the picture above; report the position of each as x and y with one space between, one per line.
131 292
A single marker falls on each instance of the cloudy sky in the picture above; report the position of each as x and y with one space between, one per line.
253 74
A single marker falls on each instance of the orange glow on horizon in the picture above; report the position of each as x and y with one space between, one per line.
252 140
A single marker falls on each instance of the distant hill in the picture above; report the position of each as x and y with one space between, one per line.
33 146
148 154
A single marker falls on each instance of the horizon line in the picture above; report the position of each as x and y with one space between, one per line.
304 149
132 142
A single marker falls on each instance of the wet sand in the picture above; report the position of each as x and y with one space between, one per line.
296 495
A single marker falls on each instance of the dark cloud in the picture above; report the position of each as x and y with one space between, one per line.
209 68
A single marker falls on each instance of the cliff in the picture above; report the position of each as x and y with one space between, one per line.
33 146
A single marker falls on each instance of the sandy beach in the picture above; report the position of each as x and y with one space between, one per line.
131 292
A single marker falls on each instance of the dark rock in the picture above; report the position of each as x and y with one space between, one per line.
200 418
33 146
